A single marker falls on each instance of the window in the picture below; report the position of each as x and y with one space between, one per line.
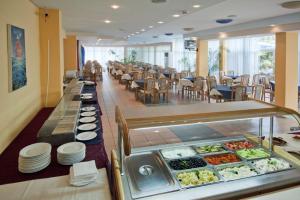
213 57
104 54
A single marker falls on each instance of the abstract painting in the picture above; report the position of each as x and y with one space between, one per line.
16 57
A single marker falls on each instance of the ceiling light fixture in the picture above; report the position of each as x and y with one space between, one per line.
107 21
115 7
143 30
222 35
132 34
137 32
99 39
272 25
176 15
150 26
160 22
196 6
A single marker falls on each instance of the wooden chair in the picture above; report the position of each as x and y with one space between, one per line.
256 79
211 82
258 92
198 88
267 88
239 93
163 85
228 82
149 86
245 79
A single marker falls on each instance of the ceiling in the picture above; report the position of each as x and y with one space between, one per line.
86 18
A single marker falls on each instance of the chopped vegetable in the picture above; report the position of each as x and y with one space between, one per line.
196 177
236 145
237 172
221 159
210 149
270 165
253 153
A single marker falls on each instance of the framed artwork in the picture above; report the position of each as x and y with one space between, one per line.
16 57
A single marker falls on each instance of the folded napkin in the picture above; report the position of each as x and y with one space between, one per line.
83 173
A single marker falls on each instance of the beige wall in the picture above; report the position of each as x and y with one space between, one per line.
202 58
70 52
18 108
51 45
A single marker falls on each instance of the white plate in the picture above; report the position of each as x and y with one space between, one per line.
86 97
71 148
86 136
87 119
35 150
89 108
87 114
36 169
87 127
87 94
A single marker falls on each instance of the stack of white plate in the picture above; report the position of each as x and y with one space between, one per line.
70 153
34 157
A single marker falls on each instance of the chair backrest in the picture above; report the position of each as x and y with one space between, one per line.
163 83
183 74
256 79
258 91
239 93
211 82
149 84
198 83
266 82
245 79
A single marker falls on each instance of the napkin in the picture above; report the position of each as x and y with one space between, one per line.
83 173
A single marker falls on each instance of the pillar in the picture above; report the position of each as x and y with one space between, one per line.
51 56
202 58
223 56
70 53
286 70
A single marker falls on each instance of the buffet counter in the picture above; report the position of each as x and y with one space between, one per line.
57 188
212 152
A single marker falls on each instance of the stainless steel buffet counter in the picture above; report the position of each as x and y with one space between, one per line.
245 165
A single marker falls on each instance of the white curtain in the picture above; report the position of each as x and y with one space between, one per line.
104 54
244 54
178 54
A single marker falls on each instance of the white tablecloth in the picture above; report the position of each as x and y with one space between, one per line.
184 83
119 72
57 188
135 85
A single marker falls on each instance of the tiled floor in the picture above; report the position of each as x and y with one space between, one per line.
111 93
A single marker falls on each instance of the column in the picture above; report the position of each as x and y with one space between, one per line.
202 58
70 53
223 55
51 56
286 70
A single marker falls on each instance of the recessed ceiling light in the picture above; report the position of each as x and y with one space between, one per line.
160 22
114 6
129 36
143 30
99 39
150 26
222 35
272 25
196 6
107 21
176 15
132 34
137 32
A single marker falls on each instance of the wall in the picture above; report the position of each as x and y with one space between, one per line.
51 51
70 53
18 108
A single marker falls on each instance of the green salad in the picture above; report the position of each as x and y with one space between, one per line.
210 149
196 177
253 153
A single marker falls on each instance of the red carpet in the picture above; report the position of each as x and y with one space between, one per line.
9 158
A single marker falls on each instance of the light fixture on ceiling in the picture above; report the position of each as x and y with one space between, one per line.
160 22
168 34
137 32
196 6
107 21
291 4
99 39
115 7
158 1
176 15
150 26
272 25
132 34
222 35
143 30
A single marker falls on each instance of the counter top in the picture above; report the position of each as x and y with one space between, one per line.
57 188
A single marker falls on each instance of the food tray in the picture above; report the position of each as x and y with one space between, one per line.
206 150
232 155
186 163
251 150
182 152
218 169
247 145
251 163
196 173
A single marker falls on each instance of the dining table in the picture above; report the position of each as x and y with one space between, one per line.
232 76
226 91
